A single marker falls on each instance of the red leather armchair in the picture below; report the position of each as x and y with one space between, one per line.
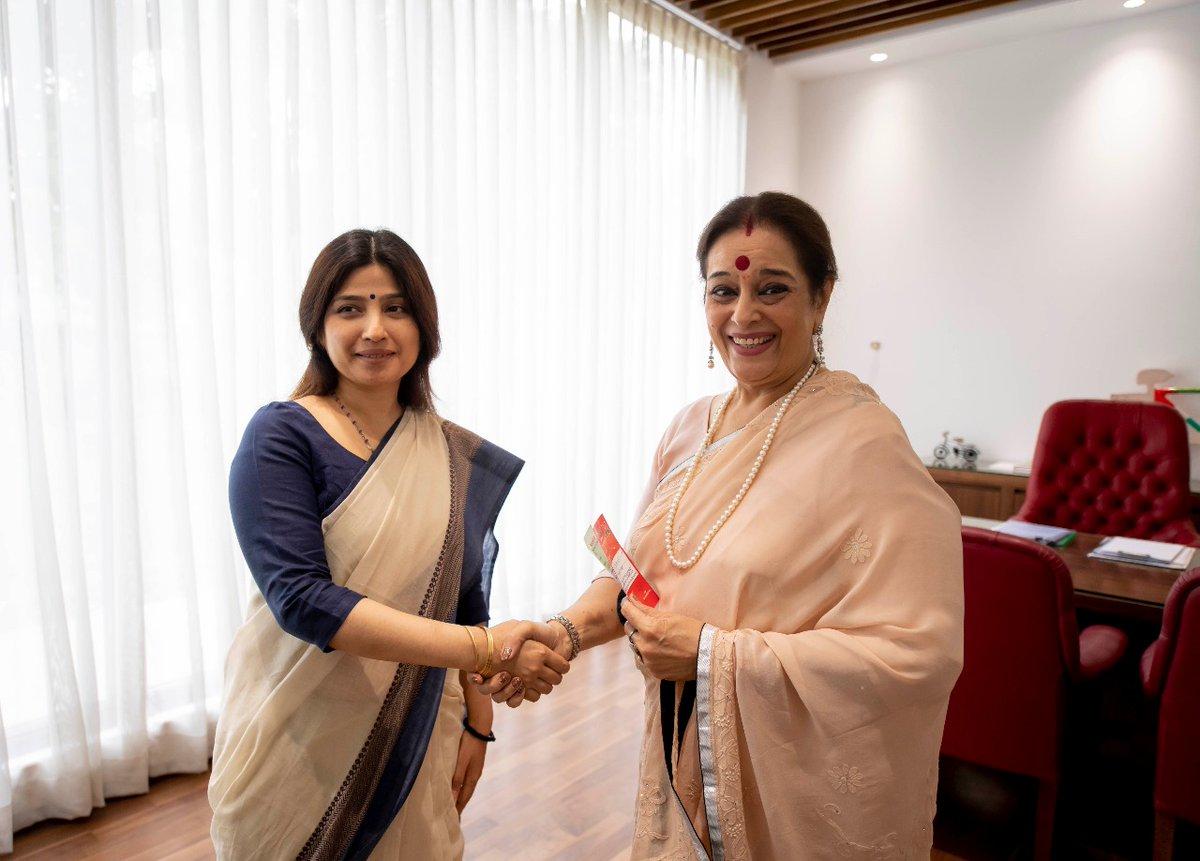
1021 652
1171 670
1112 468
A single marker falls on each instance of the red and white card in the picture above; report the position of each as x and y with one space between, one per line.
605 547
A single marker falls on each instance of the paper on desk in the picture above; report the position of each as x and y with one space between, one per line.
1160 554
1054 536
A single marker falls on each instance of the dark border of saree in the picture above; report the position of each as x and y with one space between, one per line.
673 725
386 766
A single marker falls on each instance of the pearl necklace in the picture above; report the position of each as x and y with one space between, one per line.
669 530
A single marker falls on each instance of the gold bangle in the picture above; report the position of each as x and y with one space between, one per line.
474 648
486 669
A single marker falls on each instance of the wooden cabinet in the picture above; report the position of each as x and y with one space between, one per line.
999 495
979 493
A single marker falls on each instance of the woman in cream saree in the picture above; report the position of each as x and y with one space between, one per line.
366 521
356 742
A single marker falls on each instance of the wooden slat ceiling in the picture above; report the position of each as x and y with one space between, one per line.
783 27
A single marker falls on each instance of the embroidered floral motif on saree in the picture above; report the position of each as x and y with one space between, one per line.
846 778
858 548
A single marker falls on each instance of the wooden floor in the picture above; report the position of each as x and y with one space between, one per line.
169 822
559 784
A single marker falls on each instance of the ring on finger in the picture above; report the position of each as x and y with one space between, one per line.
636 651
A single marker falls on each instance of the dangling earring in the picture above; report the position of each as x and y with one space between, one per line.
711 363
819 347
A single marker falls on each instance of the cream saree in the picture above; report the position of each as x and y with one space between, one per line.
327 755
833 603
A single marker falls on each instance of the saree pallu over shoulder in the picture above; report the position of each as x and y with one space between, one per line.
316 752
833 607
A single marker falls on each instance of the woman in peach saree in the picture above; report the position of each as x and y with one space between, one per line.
799 663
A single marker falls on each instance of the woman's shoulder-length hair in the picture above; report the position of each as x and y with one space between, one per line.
337 260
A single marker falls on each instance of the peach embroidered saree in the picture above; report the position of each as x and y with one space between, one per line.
833 603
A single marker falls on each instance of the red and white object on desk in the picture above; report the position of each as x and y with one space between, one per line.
605 547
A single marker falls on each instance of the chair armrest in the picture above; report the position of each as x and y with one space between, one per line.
1100 647
1151 670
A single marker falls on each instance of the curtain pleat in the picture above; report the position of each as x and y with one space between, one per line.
168 172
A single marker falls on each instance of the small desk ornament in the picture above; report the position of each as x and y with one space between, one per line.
954 453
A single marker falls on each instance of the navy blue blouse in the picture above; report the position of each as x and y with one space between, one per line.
287 476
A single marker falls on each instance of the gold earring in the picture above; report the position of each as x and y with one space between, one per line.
711 363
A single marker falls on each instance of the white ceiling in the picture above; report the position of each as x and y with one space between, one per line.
988 27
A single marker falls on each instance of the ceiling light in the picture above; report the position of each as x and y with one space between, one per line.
1133 4
879 57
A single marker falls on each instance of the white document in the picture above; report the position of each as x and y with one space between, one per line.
1052 536
1160 554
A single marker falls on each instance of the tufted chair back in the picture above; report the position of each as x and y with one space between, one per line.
1112 468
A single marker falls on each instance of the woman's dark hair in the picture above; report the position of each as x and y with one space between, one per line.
800 223
337 260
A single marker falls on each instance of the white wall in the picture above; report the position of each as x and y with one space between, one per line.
1017 224
773 125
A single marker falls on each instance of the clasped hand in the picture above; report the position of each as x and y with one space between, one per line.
526 660
665 645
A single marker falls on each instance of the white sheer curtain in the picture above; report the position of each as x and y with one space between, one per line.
168 171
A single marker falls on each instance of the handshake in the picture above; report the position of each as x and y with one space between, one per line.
533 657
531 661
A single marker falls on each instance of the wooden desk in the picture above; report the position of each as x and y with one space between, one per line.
1132 591
1135 591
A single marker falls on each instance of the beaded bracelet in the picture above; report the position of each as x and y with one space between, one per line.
572 634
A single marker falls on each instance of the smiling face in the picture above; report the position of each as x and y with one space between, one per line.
760 308
368 333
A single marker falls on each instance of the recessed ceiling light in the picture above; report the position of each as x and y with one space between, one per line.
1133 4
879 56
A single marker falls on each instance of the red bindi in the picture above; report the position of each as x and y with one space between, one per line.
742 263
372 295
